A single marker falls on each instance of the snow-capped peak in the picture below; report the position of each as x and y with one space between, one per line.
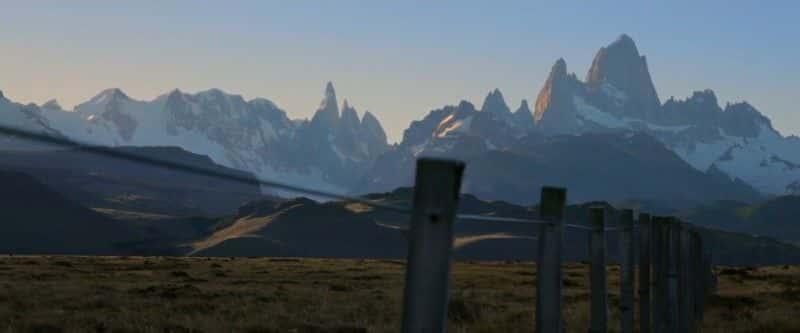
109 95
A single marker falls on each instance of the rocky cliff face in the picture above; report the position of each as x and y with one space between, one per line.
555 106
619 72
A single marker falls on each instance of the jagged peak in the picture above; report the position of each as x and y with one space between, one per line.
620 65
328 102
495 103
371 124
704 95
559 69
109 95
327 114
1 95
219 96
623 41
368 115
465 105
619 56
556 94
523 107
263 102
740 105
211 92
329 91
349 114
52 104
346 106
704 92
172 94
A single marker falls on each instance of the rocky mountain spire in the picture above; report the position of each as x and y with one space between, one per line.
555 84
372 131
554 108
620 65
495 103
371 124
523 116
349 120
327 114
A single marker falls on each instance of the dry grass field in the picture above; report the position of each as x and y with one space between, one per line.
135 294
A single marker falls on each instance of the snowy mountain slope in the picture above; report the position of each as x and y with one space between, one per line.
254 135
27 117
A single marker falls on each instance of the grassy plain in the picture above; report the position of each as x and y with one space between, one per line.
163 294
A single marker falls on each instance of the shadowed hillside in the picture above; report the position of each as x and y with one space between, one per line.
37 220
777 217
302 227
103 182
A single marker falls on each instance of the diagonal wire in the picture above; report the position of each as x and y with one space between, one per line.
578 226
482 218
131 157
107 151
583 227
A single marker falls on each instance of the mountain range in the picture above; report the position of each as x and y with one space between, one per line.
608 136
328 152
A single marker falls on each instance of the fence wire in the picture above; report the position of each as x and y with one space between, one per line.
137 158
484 218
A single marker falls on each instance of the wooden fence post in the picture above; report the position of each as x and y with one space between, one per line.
599 294
694 273
549 276
658 232
644 273
697 279
684 283
673 255
626 280
436 193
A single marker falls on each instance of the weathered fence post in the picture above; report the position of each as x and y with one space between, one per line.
626 280
644 273
684 276
549 276
673 255
694 296
597 280
436 192
697 281
658 232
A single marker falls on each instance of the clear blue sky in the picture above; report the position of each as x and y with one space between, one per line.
398 59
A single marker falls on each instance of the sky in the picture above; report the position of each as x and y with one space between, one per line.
397 59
